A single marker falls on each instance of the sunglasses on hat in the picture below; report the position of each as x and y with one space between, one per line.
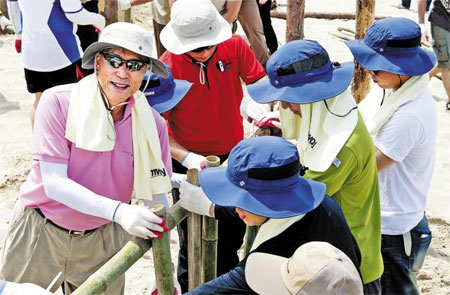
115 61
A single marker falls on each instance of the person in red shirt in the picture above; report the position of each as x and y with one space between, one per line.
208 120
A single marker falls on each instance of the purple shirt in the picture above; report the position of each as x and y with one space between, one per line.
109 174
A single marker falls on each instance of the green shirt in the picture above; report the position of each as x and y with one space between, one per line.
354 186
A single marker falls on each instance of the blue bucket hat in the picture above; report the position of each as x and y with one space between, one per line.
263 178
163 94
393 45
301 72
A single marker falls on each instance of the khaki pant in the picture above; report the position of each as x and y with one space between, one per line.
36 251
251 23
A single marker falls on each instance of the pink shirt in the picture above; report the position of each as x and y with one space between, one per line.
109 174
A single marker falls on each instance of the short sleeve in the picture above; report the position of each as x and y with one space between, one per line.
250 69
399 136
335 177
49 142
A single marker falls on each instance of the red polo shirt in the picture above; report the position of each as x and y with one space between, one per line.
207 121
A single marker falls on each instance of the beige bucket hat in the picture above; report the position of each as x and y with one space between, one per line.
128 36
194 24
315 268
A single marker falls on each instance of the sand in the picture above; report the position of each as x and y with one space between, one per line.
15 140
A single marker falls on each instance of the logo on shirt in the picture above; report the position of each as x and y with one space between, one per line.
158 172
222 66
312 141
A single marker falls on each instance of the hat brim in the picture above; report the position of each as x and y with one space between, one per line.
178 44
302 197
263 273
167 101
372 60
158 67
322 88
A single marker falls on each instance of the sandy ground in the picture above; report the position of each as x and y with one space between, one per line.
15 141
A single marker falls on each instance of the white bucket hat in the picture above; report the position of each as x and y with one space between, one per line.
194 24
315 268
128 36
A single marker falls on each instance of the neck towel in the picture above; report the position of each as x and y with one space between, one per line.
377 112
324 130
90 126
272 228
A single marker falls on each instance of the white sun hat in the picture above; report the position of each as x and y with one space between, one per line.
194 24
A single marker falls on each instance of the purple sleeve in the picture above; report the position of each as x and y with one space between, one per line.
49 142
163 141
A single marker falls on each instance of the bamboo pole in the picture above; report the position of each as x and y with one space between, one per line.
125 258
324 15
294 20
161 257
194 239
250 235
365 15
209 237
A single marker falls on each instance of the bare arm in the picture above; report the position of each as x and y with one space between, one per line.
421 5
232 10
177 151
383 161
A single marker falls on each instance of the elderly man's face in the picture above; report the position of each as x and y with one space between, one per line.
387 80
119 83
294 107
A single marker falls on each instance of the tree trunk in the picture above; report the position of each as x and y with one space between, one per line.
365 15
4 8
294 20
109 9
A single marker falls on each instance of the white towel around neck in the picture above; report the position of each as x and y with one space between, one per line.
322 134
376 114
90 126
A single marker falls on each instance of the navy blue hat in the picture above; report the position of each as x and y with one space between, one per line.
301 72
263 177
393 45
163 94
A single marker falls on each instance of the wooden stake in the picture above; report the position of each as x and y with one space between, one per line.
294 20
161 257
250 235
125 258
210 237
365 15
325 15
194 239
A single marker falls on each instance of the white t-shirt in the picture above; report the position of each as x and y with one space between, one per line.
49 40
409 138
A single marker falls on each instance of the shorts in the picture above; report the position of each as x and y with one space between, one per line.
40 81
441 45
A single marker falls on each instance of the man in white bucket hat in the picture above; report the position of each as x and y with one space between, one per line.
202 50
95 143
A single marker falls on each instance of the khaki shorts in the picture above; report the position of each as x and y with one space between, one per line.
441 45
36 251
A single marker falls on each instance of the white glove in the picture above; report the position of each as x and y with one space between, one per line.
139 221
176 179
425 33
251 110
123 4
193 160
4 22
20 289
176 286
194 199
269 119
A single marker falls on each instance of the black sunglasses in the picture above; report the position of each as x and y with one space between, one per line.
115 61
200 49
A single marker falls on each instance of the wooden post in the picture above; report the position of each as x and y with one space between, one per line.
4 9
294 20
109 9
250 235
125 258
365 15
209 237
194 239
161 257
